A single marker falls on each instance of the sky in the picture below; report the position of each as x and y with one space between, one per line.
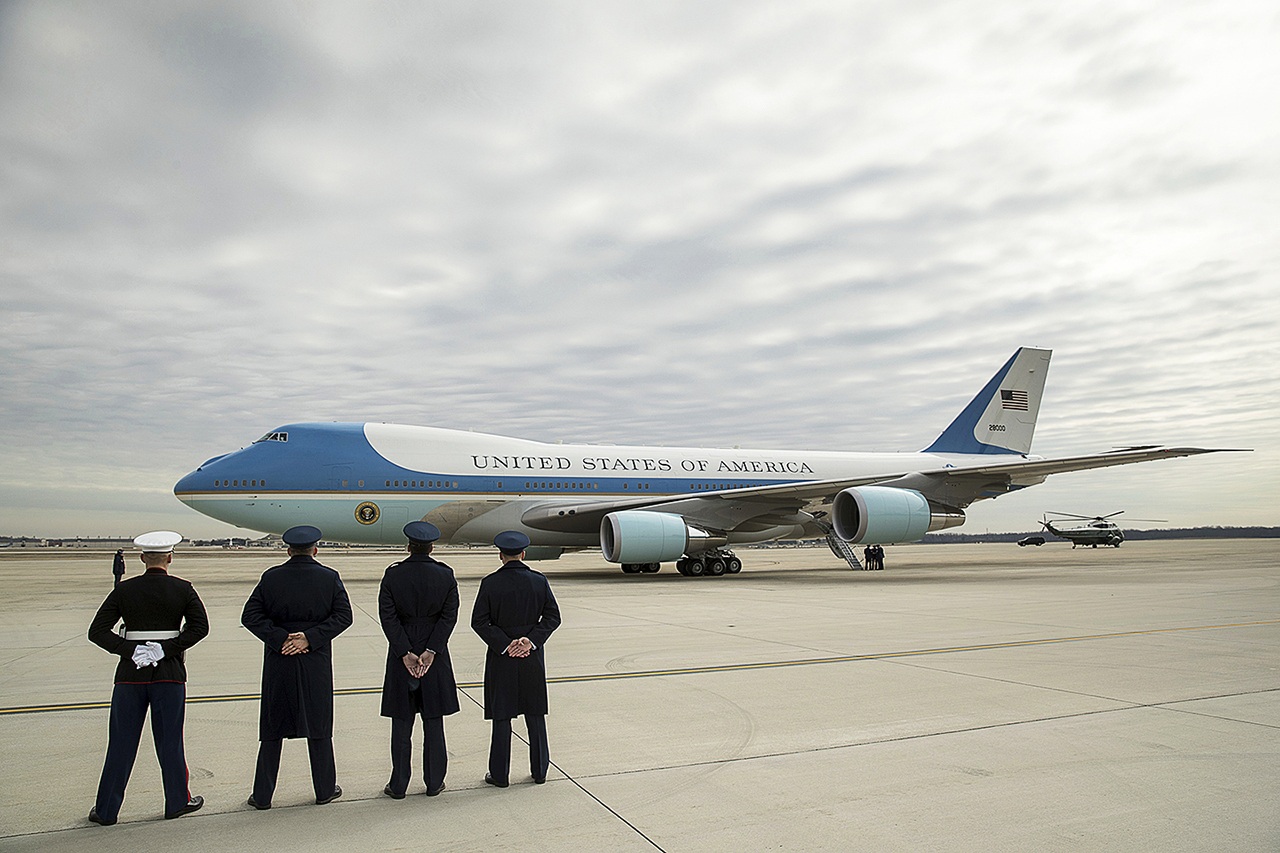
810 225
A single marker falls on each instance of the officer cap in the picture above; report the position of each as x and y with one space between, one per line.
302 536
421 531
511 542
158 541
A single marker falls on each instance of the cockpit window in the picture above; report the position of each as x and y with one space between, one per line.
273 436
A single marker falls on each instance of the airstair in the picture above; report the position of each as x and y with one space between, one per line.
844 550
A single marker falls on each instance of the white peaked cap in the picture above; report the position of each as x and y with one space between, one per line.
158 541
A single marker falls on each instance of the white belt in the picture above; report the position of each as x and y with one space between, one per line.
150 635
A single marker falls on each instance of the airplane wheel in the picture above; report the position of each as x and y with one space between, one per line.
652 568
695 568
631 568
682 566
715 567
733 566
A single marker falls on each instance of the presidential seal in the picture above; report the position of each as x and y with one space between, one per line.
368 512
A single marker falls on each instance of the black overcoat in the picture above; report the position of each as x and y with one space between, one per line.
418 608
155 601
513 602
297 690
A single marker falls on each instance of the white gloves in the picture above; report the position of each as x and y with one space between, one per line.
147 654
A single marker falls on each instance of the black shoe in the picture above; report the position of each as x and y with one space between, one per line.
93 818
337 792
436 792
259 806
489 780
391 793
539 780
193 805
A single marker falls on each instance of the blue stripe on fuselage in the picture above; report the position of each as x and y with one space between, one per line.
337 458
311 459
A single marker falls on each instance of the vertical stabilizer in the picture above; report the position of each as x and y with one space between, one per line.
1002 418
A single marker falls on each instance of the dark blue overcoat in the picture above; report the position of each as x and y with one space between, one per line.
418 609
513 602
297 690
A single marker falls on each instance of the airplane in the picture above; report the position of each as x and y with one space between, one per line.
642 506
1097 529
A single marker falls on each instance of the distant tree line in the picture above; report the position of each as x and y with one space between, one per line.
1129 535
271 541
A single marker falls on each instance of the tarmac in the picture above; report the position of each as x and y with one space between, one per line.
969 697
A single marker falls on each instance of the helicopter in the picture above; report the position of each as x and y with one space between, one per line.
1091 530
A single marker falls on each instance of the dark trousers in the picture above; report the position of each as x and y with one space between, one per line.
324 776
500 748
129 704
435 761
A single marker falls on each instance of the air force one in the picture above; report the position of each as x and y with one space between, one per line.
642 506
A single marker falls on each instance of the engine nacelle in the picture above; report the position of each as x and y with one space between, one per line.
879 514
638 536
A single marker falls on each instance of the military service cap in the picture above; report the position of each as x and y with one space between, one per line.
511 542
302 536
421 531
158 541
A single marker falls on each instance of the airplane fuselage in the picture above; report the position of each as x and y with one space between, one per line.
362 482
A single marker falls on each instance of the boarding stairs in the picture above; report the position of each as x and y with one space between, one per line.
843 549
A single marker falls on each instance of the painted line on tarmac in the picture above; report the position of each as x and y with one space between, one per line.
699 670
1013 644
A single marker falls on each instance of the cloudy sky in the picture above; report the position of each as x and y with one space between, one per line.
787 225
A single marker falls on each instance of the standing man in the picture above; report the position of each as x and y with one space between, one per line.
418 608
515 614
117 566
163 617
297 609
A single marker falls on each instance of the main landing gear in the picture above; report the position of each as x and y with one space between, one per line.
706 563
713 563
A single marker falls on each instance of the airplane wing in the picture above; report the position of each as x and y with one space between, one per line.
761 507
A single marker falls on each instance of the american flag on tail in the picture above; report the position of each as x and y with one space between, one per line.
1014 400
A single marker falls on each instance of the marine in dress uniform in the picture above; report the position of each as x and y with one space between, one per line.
297 609
515 613
163 617
418 609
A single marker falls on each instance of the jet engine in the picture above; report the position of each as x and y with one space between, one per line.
882 514
639 536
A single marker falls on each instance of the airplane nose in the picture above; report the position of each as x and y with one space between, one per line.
190 483
199 479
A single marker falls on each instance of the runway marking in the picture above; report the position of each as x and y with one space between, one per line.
698 670
983 727
577 784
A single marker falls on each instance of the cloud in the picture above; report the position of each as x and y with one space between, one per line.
819 226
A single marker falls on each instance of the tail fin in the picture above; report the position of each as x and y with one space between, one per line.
1002 418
